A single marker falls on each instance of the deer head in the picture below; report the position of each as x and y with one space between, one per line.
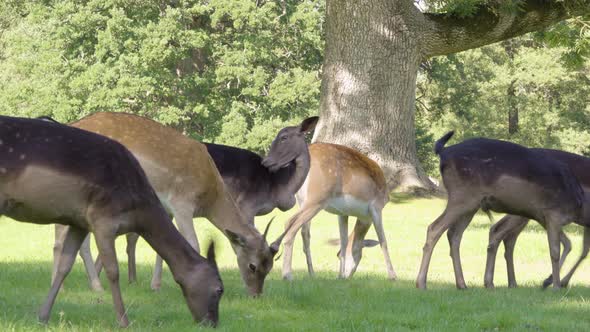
254 263
203 290
289 144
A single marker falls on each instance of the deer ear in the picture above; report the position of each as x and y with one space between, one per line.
211 255
235 239
273 249
308 124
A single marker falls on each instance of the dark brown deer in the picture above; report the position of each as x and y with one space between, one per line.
50 173
344 182
509 228
188 184
507 178
261 185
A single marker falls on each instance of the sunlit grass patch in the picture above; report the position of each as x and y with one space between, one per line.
367 302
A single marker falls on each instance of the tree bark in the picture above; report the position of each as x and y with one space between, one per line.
510 50
368 86
512 109
373 50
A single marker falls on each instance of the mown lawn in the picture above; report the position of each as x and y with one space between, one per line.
368 302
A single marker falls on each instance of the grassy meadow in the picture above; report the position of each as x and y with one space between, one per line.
367 302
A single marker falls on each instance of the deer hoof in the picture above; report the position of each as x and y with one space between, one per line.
155 287
547 283
123 322
97 288
43 319
288 277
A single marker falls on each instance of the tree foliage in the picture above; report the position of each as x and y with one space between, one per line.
235 71
470 92
224 70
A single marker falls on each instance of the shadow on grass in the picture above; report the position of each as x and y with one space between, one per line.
532 226
366 302
399 198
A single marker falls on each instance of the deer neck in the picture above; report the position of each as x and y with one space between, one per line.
159 232
225 215
287 181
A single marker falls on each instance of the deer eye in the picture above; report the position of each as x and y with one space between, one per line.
283 138
252 267
219 291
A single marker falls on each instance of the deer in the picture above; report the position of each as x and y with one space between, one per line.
509 227
189 185
344 182
55 174
504 177
261 185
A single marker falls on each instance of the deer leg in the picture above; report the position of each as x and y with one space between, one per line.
506 229
567 247
131 264
60 232
354 250
105 241
304 215
565 281
553 230
72 239
306 236
157 276
509 244
343 228
378 223
453 213
454 236
86 255
98 265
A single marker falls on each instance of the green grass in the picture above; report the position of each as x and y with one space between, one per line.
366 302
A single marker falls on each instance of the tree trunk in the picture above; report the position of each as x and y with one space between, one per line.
368 87
373 49
512 109
510 48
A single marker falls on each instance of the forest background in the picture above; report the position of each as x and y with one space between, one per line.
236 71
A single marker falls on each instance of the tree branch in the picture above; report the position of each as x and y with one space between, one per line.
444 34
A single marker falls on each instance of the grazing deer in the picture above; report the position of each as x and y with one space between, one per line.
509 228
503 177
189 185
344 182
259 186
256 189
51 173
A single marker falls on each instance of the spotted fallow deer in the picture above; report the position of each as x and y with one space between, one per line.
51 173
509 228
189 185
504 177
344 182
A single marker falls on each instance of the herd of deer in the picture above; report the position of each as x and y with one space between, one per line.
115 173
